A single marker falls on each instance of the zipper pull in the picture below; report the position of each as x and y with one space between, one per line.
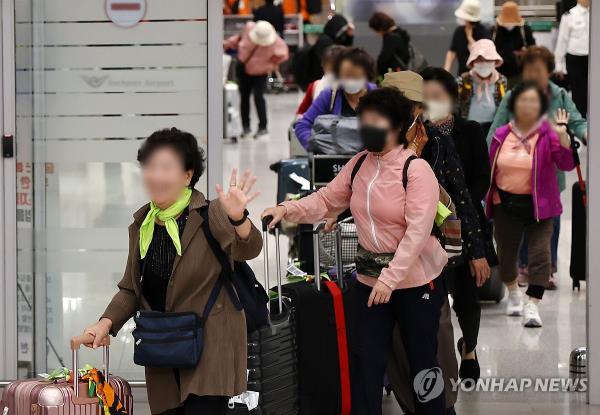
137 315
137 343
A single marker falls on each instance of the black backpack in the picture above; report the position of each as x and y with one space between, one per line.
301 67
249 294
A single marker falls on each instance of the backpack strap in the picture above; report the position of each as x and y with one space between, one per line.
405 171
524 36
356 168
215 247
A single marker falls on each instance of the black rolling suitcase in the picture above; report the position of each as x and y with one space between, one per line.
323 310
272 356
577 269
578 236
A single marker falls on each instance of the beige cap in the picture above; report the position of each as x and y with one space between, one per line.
408 82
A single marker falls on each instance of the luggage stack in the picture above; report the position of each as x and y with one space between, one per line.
272 354
323 315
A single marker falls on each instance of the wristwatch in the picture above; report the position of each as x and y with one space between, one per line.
240 221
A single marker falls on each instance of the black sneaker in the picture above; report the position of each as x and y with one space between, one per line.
261 132
469 370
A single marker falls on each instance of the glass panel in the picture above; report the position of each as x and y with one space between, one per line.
88 90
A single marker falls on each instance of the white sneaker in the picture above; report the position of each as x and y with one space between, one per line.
514 307
531 315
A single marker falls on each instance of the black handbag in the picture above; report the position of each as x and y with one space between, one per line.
518 206
176 339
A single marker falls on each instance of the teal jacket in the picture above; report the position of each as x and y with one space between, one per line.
560 99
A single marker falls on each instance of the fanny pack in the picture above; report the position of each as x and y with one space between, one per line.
369 263
176 339
519 206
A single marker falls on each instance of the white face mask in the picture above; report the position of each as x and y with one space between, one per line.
484 69
353 86
438 110
509 27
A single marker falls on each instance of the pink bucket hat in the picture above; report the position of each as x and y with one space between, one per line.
487 50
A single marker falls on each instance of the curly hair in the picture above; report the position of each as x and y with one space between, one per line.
391 104
183 143
444 78
535 53
524 87
356 56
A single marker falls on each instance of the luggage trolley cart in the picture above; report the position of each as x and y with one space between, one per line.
323 169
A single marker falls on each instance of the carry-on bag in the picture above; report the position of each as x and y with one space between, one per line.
398 371
493 289
43 397
232 119
577 268
323 311
272 352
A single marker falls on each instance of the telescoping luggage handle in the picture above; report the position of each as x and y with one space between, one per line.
265 228
317 229
76 342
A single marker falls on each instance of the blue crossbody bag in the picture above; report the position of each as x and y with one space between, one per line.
175 339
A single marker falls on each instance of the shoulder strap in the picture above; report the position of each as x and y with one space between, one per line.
405 171
524 36
332 99
226 270
494 32
356 168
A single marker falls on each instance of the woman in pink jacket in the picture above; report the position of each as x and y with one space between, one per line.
398 260
259 51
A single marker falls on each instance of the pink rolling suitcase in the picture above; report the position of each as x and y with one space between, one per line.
40 397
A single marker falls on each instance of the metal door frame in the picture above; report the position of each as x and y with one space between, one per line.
8 218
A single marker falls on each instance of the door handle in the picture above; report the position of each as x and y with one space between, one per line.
8 146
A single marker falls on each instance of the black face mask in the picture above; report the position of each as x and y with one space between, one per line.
373 138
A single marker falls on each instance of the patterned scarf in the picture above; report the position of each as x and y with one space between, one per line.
110 404
446 126
525 139
484 85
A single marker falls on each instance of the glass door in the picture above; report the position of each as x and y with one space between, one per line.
92 80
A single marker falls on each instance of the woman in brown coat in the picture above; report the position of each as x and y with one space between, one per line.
179 274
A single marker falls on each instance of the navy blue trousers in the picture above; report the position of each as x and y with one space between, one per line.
417 313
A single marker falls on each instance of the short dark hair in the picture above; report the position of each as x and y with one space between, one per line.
535 53
183 143
391 104
356 56
381 22
445 78
331 53
523 87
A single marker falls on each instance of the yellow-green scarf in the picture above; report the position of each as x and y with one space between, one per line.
167 216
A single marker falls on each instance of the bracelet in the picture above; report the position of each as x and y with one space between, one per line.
241 221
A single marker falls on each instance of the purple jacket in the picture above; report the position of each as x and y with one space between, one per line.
321 105
548 153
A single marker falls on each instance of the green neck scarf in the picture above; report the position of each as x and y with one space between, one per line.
167 216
